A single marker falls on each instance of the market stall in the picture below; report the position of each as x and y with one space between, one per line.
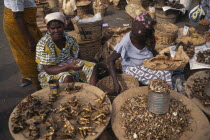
77 110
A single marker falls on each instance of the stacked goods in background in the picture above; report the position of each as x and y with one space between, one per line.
166 34
84 7
100 6
87 31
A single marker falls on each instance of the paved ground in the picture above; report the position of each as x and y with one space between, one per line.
10 92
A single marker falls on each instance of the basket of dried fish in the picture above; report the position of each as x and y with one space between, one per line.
158 96
166 33
195 90
126 82
131 119
70 114
83 7
195 38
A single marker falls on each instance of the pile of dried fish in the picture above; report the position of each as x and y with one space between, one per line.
197 90
204 22
37 118
188 48
159 86
194 38
71 88
140 124
203 57
85 116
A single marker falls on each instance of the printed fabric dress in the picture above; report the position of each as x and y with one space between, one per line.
47 53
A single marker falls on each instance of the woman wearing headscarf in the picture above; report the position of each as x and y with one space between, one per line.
22 33
57 55
134 48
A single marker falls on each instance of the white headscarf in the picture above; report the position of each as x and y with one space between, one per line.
55 16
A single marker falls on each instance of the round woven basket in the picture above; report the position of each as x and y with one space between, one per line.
166 33
83 8
102 9
88 50
126 82
91 30
162 17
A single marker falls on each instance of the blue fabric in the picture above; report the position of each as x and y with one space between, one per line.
131 56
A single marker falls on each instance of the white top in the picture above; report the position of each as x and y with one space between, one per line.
131 56
19 5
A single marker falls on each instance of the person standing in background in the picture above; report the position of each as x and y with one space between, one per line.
22 33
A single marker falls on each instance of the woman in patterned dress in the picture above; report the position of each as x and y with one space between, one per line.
57 56
134 48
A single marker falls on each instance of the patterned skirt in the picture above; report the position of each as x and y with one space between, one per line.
144 75
83 75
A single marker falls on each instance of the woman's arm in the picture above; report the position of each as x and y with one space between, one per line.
114 56
19 17
53 70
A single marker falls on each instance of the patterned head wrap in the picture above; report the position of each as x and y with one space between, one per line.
55 16
143 25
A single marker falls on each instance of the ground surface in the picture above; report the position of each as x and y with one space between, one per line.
10 92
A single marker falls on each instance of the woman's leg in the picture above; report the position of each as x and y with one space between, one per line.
68 79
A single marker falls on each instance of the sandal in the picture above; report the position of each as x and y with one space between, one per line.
26 83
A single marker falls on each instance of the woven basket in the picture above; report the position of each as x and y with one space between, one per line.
126 82
88 50
90 31
162 17
83 8
101 9
166 33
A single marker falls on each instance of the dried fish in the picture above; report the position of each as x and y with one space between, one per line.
139 124
71 88
159 86
197 89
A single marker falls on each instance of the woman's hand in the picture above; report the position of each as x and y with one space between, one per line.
74 66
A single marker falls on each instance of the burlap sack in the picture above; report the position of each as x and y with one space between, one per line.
163 62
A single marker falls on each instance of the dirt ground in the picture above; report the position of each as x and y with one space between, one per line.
10 92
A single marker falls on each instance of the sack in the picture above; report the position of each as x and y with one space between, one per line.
163 62
186 3
196 13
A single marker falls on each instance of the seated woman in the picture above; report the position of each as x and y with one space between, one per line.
134 48
57 56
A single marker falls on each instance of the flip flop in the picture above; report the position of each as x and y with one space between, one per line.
25 84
